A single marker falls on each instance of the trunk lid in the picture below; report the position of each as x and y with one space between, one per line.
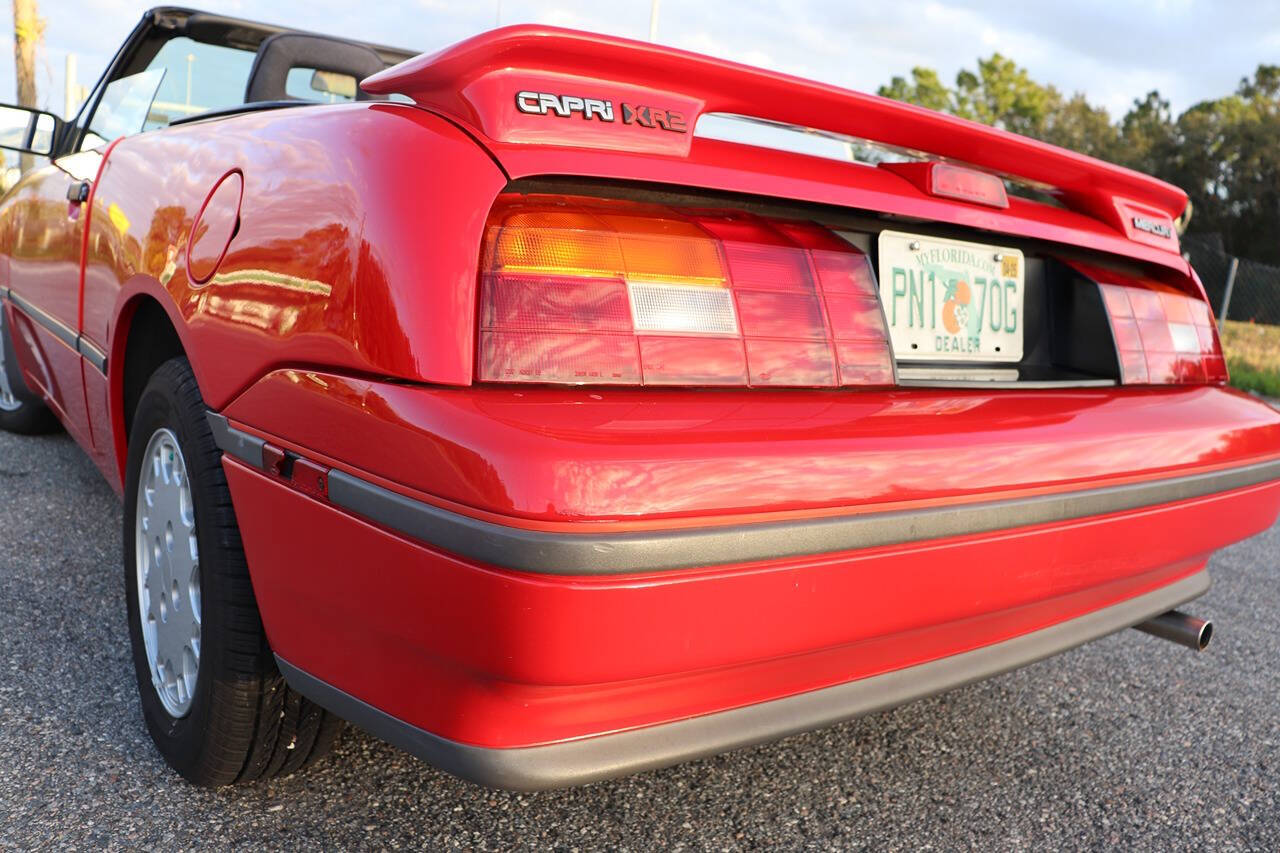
550 101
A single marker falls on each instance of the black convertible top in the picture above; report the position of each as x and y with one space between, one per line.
164 23
235 32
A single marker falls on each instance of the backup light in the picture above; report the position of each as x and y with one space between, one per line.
590 291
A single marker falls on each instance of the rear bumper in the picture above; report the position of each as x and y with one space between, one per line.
524 642
606 756
495 659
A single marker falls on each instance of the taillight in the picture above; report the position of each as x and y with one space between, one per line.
1163 336
590 291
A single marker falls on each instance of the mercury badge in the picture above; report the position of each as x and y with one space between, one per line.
1153 226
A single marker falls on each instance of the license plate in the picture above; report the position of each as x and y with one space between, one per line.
946 300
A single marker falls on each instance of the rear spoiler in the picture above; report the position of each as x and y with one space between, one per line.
551 86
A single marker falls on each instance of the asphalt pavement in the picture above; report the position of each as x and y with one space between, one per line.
1129 742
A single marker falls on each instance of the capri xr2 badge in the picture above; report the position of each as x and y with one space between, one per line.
599 109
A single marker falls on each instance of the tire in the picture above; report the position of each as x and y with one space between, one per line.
21 410
231 718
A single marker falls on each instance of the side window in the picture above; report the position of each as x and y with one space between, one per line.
124 107
198 77
184 78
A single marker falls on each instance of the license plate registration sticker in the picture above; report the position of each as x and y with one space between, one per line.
947 300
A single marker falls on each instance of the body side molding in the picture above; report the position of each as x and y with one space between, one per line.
55 327
78 342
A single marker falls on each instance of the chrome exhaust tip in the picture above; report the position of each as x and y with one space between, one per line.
1180 628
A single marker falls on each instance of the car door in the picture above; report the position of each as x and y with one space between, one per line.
45 215
45 219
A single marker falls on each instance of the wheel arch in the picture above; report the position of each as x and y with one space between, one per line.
149 331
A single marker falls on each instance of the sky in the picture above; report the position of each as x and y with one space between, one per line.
1111 50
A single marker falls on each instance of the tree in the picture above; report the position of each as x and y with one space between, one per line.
1002 94
998 92
1223 152
925 90
1149 135
1080 126
28 29
1264 88
1250 166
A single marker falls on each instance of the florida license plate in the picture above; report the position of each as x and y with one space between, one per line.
947 300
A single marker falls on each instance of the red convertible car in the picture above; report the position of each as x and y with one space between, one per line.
497 402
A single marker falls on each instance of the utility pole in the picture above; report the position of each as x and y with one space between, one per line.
28 29
653 20
1231 285
71 92
75 94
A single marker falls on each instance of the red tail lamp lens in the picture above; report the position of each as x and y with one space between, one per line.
590 291
1163 336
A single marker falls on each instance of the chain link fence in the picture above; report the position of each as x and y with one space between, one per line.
1249 294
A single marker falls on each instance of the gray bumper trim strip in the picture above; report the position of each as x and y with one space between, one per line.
606 756
661 550
247 448
622 553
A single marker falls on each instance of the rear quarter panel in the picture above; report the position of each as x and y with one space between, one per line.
356 247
